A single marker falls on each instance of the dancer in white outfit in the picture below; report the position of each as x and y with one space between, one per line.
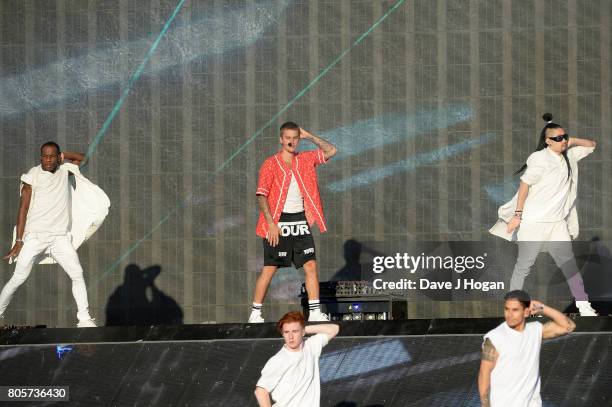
43 224
291 377
509 373
542 215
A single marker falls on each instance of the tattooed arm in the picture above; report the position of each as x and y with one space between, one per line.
487 364
273 229
559 325
329 150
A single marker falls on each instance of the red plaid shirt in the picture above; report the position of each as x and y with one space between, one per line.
274 180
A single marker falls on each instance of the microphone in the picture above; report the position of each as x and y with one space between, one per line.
290 144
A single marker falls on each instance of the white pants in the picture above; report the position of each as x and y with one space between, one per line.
64 254
553 237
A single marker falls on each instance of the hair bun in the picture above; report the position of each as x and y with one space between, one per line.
547 117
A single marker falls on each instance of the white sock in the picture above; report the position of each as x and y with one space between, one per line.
314 305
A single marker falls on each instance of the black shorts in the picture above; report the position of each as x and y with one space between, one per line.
295 243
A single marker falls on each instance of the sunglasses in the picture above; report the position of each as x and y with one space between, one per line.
560 138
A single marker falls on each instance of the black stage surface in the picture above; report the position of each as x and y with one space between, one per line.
371 363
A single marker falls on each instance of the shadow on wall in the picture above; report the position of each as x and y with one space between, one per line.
139 302
595 268
353 269
352 266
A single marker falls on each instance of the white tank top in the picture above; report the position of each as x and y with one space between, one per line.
294 202
515 380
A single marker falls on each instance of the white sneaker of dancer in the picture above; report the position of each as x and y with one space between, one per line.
585 309
317 316
87 323
255 317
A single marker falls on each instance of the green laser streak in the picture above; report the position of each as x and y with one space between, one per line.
134 246
259 131
309 86
132 80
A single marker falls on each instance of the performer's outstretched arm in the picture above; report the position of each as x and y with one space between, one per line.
573 141
329 150
22 214
487 363
75 158
560 324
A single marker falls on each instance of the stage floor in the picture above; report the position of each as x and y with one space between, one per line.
208 332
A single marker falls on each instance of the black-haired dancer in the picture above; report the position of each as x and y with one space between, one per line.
542 215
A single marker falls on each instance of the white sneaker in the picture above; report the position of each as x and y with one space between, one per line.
317 316
87 323
255 317
585 309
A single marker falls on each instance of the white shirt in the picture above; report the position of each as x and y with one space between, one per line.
547 198
549 186
515 379
89 207
294 202
49 211
292 378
